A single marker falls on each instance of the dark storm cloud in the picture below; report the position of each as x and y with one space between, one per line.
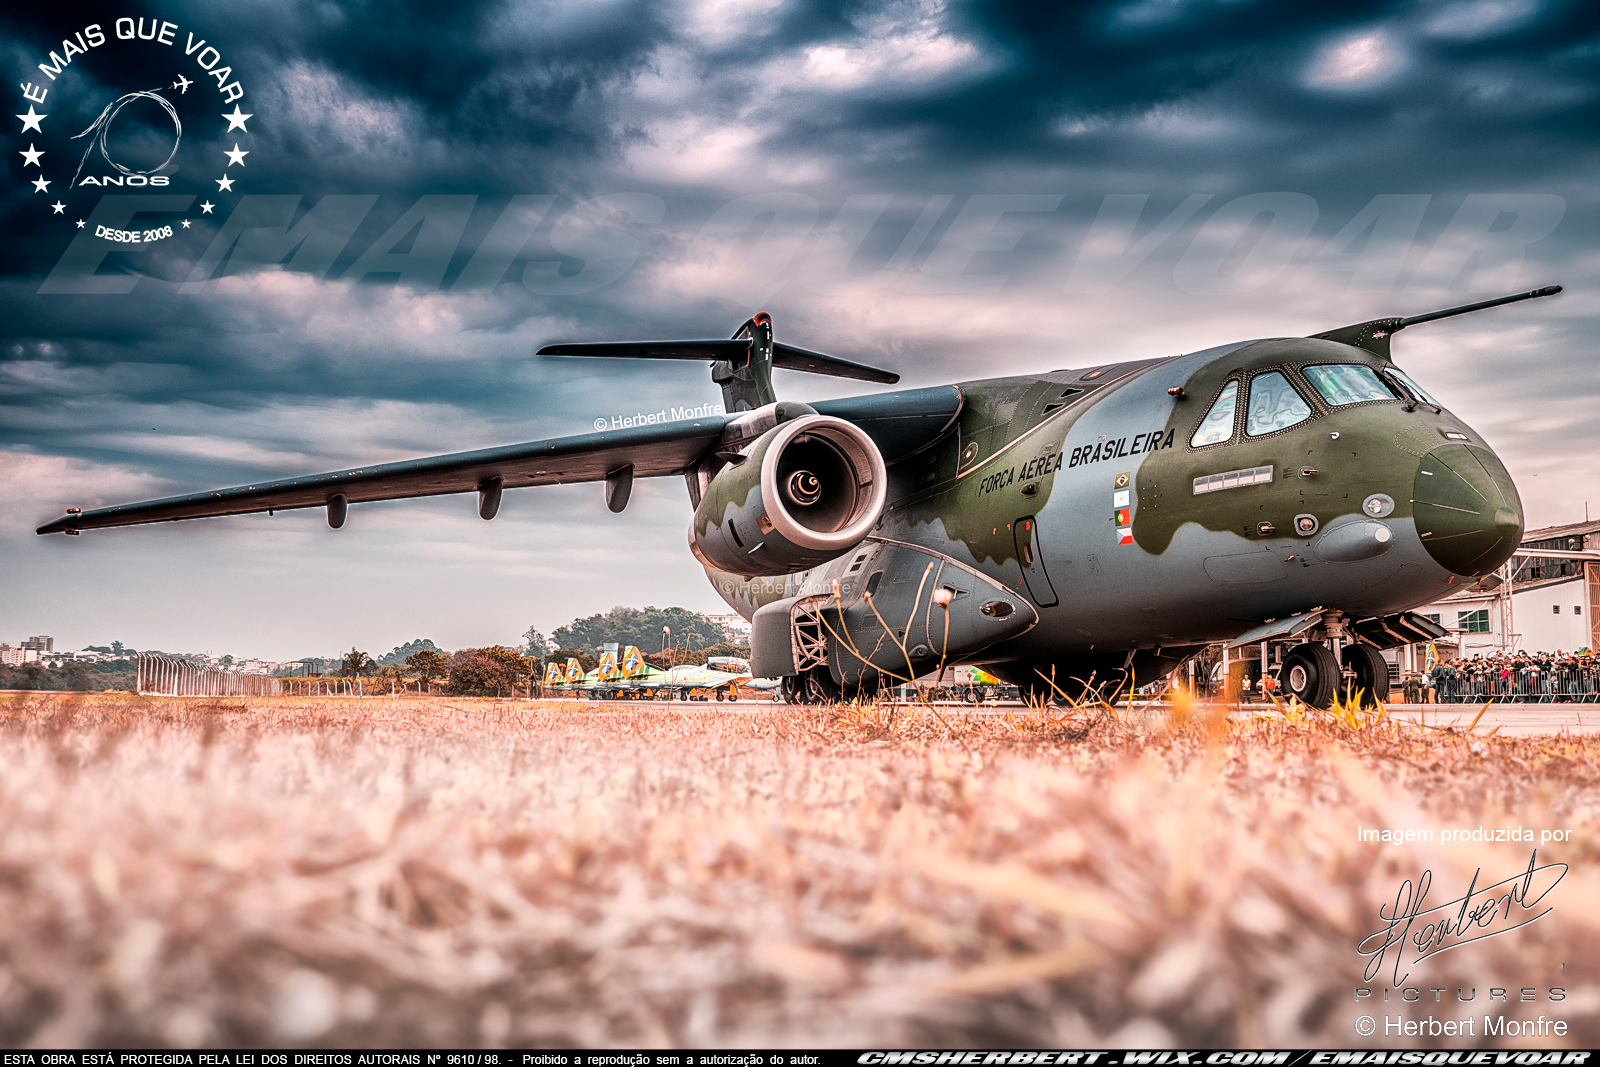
1087 87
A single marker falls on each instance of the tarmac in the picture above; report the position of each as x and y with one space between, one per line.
1517 720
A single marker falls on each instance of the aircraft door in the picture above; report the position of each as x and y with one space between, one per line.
1029 558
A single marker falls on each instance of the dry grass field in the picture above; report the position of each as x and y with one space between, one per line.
324 871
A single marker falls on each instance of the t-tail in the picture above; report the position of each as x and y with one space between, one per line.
742 365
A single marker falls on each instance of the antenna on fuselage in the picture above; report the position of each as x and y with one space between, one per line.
1374 335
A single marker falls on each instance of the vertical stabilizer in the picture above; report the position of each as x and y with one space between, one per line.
747 383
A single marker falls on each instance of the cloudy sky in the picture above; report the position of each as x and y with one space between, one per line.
429 192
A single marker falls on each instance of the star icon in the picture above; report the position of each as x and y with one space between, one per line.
186 224
224 184
59 207
207 206
30 158
235 156
237 120
80 224
40 185
30 121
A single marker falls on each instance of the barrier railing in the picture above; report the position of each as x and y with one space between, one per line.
1521 685
332 686
160 675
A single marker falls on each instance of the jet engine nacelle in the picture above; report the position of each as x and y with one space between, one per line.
804 492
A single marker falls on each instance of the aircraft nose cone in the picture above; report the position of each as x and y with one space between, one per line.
1467 510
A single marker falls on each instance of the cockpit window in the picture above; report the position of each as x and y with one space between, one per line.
1274 405
1416 390
1348 383
1217 426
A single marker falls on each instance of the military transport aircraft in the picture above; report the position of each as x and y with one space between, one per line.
1298 490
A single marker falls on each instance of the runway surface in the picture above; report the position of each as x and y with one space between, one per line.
1520 720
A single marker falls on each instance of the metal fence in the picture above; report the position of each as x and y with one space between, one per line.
330 687
164 676
1520 685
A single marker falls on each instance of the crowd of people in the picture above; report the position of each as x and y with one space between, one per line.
1519 677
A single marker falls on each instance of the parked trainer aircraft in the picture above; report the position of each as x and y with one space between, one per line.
1086 526
718 678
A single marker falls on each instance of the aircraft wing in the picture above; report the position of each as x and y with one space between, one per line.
653 451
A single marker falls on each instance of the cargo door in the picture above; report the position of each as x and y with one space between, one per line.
1031 561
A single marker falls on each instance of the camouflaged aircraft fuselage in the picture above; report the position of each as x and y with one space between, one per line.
1100 523
1083 495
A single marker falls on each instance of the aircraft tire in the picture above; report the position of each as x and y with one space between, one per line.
821 687
1371 671
1310 674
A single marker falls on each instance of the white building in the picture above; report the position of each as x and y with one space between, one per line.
735 625
1544 600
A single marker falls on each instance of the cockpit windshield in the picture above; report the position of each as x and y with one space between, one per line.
1416 390
1217 426
1348 383
1274 405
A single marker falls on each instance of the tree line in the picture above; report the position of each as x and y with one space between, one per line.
668 637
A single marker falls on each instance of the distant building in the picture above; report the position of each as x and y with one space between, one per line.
735 626
16 657
40 644
1545 599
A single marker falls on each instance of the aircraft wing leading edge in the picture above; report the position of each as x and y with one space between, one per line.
653 451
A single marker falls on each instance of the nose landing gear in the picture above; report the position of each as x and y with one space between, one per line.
1310 674
1371 673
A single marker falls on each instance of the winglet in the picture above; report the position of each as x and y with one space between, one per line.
1375 334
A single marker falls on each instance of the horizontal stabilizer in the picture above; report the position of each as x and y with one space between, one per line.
788 357
736 352
732 351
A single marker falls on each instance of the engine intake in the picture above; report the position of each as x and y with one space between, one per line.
805 492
